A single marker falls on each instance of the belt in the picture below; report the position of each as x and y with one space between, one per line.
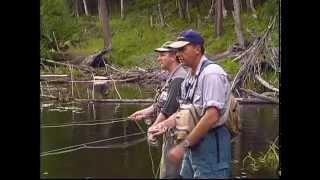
216 128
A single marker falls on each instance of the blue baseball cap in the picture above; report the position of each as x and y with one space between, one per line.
187 37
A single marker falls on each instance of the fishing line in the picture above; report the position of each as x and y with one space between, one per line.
81 146
80 123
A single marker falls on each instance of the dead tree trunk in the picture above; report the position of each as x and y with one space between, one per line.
122 11
237 20
182 9
247 4
187 10
253 9
224 10
211 10
104 15
85 7
76 8
160 14
219 18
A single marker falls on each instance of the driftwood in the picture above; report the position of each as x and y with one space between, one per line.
118 100
97 81
48 96
266 84
84 68
274 100
253 58
269 93
53 75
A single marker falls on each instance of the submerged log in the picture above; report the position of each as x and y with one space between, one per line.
118 100
53 75
274 100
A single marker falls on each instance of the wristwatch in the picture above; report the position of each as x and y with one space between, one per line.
186 143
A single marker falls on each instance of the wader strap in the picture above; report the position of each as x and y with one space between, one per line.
217 141
203 65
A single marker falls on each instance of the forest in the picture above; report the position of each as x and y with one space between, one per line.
94 35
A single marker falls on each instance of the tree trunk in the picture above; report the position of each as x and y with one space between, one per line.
160 14
76 8
182 9
247 4
224 10
187 10
219 18
237 20
211 10
122 10
104 15
253 9
85 8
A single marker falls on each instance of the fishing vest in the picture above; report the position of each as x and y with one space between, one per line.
189 114
162 94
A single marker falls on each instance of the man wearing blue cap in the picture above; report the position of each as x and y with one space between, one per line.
166 104
206 150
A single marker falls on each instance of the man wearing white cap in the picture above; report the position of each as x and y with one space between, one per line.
166 104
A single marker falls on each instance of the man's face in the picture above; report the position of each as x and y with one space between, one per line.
188 54
165 59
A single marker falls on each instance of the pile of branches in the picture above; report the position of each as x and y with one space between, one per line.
258 59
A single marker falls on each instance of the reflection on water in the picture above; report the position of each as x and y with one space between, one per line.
129 156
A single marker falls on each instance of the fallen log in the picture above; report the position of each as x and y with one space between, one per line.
260 95
269 93
48 96
94 81
53 75
265 83
117 100
84 68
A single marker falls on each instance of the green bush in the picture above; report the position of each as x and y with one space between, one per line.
56 18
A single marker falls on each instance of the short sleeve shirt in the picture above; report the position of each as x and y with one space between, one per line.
212 90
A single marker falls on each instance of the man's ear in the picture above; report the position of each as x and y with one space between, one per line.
197 49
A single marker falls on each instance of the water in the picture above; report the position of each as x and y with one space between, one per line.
130 156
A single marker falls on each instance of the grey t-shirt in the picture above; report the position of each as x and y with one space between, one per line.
174 90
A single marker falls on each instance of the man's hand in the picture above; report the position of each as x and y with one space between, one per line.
139 115
159 128
176 153
142 114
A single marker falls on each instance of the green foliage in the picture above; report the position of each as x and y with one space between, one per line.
133 39
231 67
56 18
268 160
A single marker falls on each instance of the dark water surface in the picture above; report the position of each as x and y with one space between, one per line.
118 147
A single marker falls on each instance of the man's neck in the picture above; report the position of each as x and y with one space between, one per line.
172 67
